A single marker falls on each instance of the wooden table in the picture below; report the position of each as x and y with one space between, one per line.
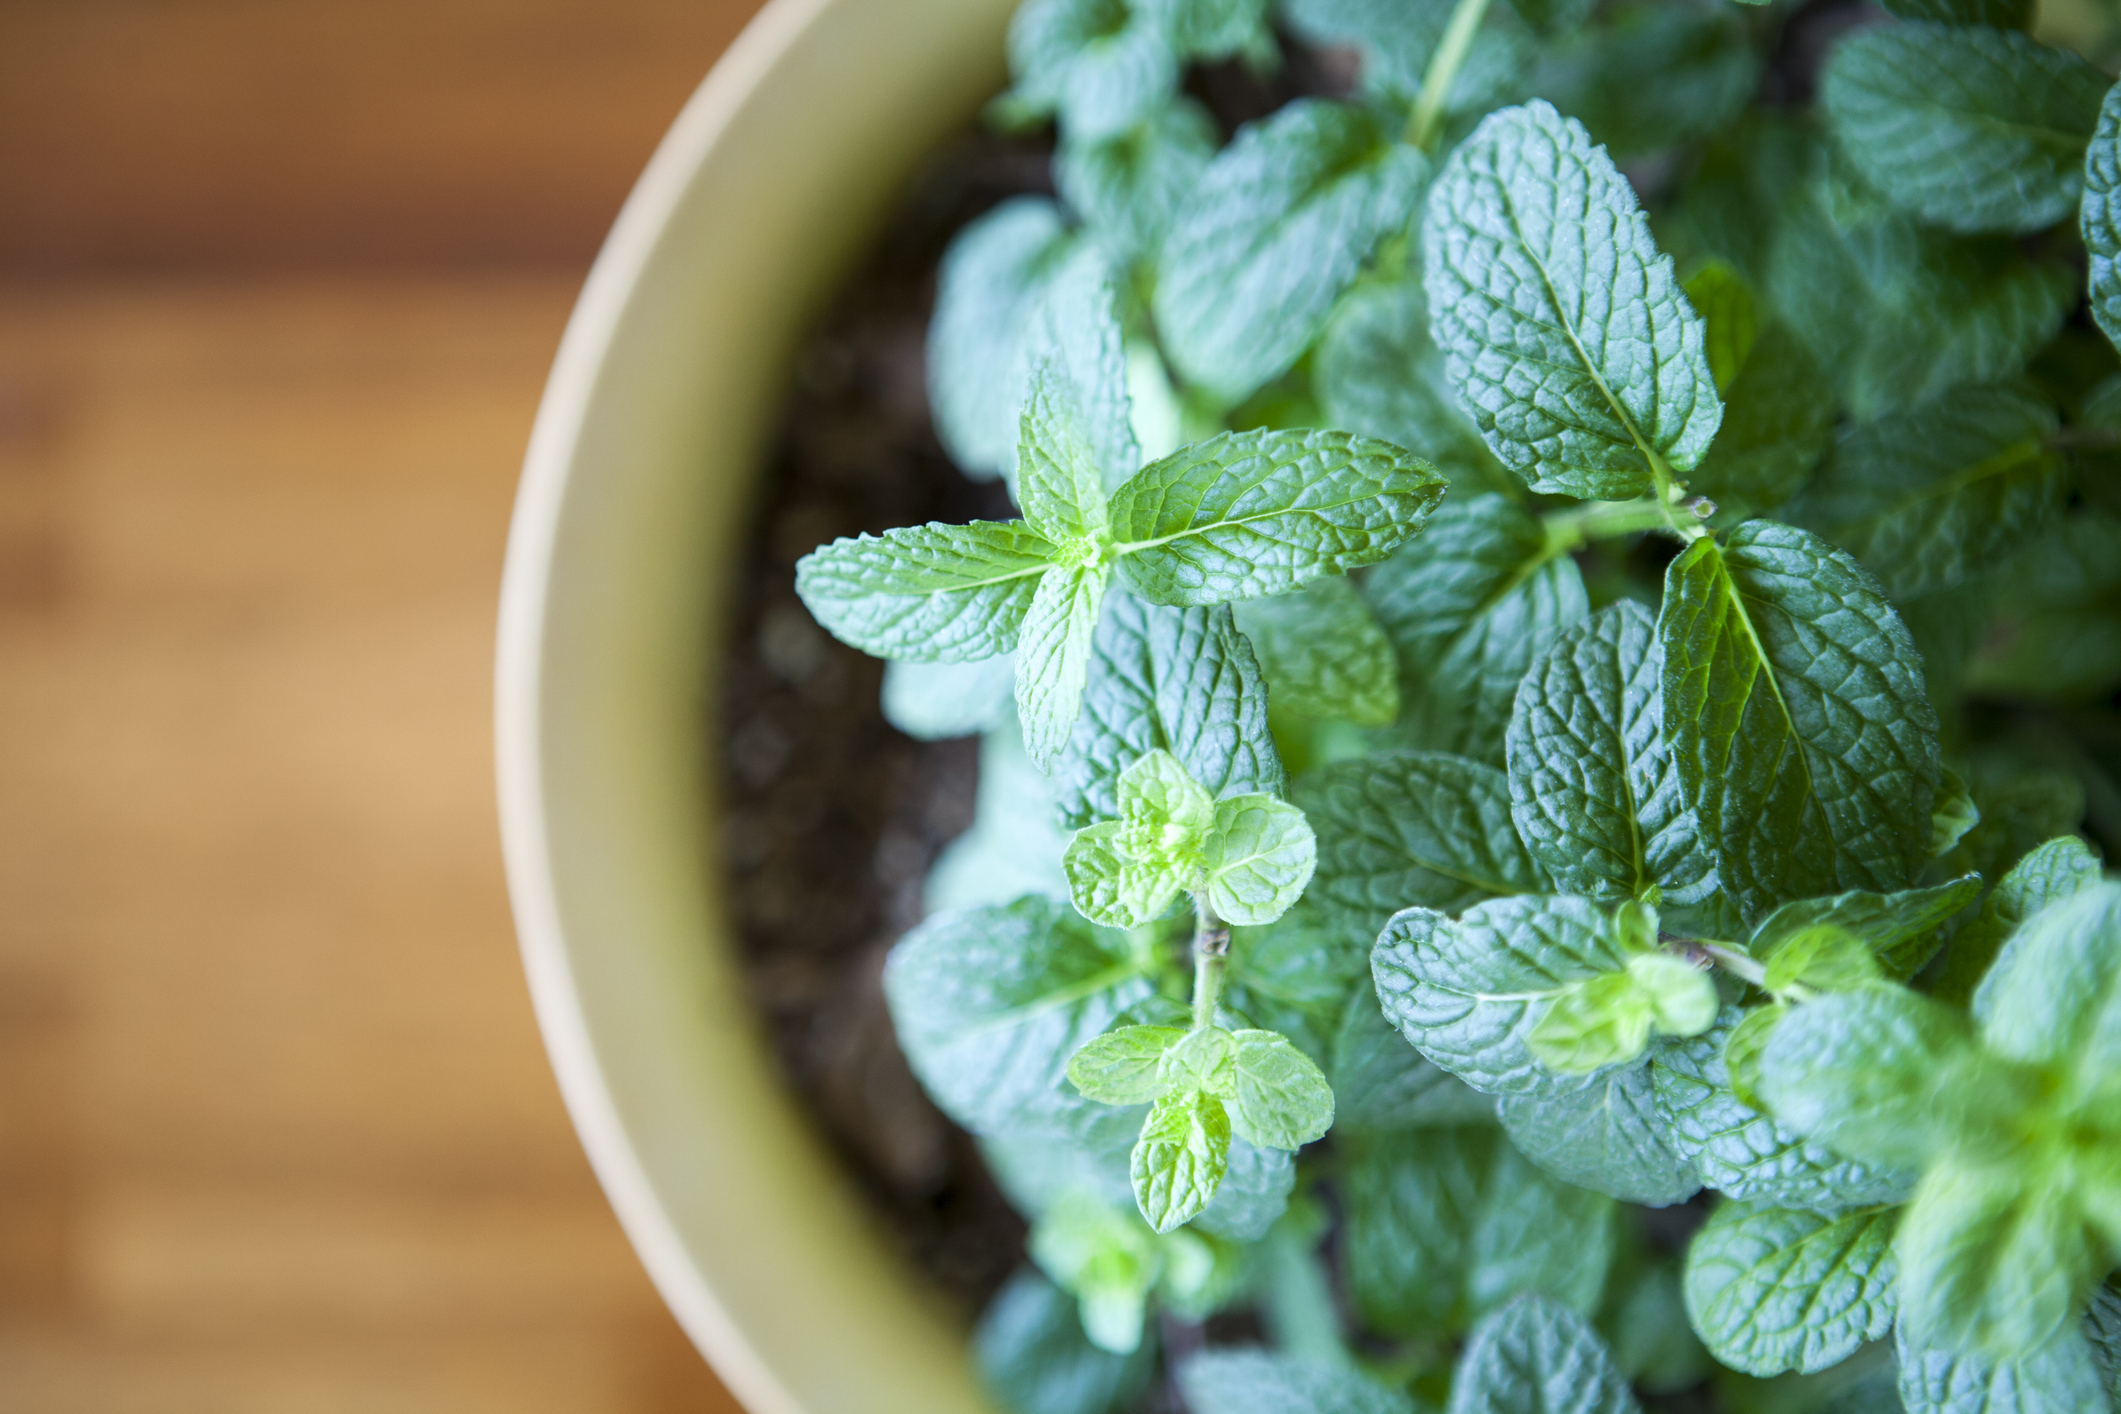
276 1130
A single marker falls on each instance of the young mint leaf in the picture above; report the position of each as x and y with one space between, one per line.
1956 811
1247 514
1742 1048
1203 1059
1743 1152
1994 1256
1967 127
1107 1259
1381 1082
1261 857
1180 1158
1934 497
1565 332
1655 76
1469 607
2053 996
1795 708
1123 1067
2054 871
2003 14
1280 1099
1593 791
989 1005
1075 421
1376 372
1825 957
1272 233
1536 1356
1176 680
1608 1136
1900 929
2099 216
1411 827
1128 187
1032 1353
1775 1289
934 701
1256 1382
1608 1019
986 292
1443 1225
2060 1378
1469 992
1323 653
1053 657
935 592
1110 886
1103 65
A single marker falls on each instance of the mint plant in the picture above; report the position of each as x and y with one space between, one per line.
1527 691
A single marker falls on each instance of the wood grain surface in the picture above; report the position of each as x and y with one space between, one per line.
279 284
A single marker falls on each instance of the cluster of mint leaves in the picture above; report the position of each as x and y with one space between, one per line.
1583 688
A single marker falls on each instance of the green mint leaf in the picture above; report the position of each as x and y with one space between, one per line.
1106 1259
1956 812
2054 871
1537 1356
2003 14
2099 215
1376 372
1608 1136
1013 847
1075 428
1180 1158
1256 1382
1247 514
1772 1290
1217 29
1038 1169
1742 1048
1253 1195
1994 1256
1411 828
935 592
1176 680
2102 1328
1899 929
1934 497
1299 960
1275 229
1745 1154
1654 76
1280 1098
1593 790
1795 707
1128 187
989 1005
1102 65
1202 1059
1967 127
1863 1073
1443 1225
1469 992
935 701
1032 1353
1469 606
1323 653
1053 657
2060 1378
2054 638
1397 40
1262 859
2053 995
1777 408
1825 957
1381 1082
1123 1067
1565 331
989 286
1607 1020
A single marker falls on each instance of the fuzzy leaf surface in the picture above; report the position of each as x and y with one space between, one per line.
1795 706
1564 328
1053 656
1180 1158
1968 127
1272 233
1262 856
1247 514
1469 606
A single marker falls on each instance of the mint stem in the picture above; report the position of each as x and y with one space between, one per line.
1426 124
1211 951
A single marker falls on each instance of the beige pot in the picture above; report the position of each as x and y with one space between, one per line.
635 493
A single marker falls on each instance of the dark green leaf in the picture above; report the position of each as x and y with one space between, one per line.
2099 217
1899 929
1655 75
2003 14
1324 653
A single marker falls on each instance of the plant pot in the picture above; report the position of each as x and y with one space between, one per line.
634 495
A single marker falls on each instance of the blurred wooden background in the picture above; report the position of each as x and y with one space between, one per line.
279 282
